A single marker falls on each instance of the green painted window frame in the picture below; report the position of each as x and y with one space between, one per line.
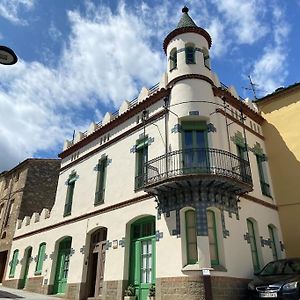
40 259
190 55
191 260
253 245
173 59
70 194
141 157
264 185
273 241
213 247
13 263
101 181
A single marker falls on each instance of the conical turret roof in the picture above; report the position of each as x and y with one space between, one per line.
186 20
186 24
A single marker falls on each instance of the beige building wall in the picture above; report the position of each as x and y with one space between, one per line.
282 131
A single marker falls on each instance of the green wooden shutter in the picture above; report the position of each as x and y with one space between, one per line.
191 237
40 260
212 237
70 191
101 179
273 242
253 245
13 263
265 187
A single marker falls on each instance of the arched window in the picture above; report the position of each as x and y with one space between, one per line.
40 259
191 237
190 54
212 237
253 244
13 264
173 59
273 240
206 58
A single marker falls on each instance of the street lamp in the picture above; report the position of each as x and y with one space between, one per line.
7 56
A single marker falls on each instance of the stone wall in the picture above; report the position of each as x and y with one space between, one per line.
34 284
13 283
40 188
114 290
225 288
180 288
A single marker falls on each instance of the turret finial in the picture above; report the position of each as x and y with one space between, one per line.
185 9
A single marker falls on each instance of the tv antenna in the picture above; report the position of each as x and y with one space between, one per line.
252 87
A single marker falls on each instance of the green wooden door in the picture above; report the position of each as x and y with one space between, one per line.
27 262
142 259
195 153
62 267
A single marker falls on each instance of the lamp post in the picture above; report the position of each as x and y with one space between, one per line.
7 56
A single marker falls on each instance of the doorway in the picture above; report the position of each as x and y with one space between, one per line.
142 256
96 262
3 258
62 266
27 257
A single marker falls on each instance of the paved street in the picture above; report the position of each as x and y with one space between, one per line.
7 293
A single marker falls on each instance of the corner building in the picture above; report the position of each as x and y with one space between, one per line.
174 182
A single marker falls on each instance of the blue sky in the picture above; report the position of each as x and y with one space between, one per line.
80 59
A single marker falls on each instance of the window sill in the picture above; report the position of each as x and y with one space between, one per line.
267 195
191 267
173 69
38 273
196 267
67 214
219 268
98 203
11 276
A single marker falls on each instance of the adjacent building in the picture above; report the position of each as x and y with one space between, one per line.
175 182
26 189
281 128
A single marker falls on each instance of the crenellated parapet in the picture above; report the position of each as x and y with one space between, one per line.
29 221
109 116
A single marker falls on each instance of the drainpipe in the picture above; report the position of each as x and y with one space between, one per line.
166 100
207 283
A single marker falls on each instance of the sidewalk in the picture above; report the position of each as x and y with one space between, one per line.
8 293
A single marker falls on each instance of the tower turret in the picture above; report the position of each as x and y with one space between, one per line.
187 49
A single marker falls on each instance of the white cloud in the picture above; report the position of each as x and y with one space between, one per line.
271 68
243 19
104 61
54 32
10 9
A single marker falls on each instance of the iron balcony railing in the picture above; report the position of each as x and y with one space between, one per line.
204 161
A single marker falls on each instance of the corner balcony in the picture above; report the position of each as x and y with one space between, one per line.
204 169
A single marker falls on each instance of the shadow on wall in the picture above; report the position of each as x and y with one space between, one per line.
285 172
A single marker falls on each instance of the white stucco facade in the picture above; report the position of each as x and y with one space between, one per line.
194 96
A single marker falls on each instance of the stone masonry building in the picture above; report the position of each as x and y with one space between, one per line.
26 189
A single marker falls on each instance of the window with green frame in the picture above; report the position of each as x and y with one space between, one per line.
13 264
190 54
70 192
191 237
101 179
141 152
40 259
253 244
212 237
273 240
262 171
173 59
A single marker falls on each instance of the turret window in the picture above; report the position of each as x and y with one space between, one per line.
173 59
206 58
190 54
